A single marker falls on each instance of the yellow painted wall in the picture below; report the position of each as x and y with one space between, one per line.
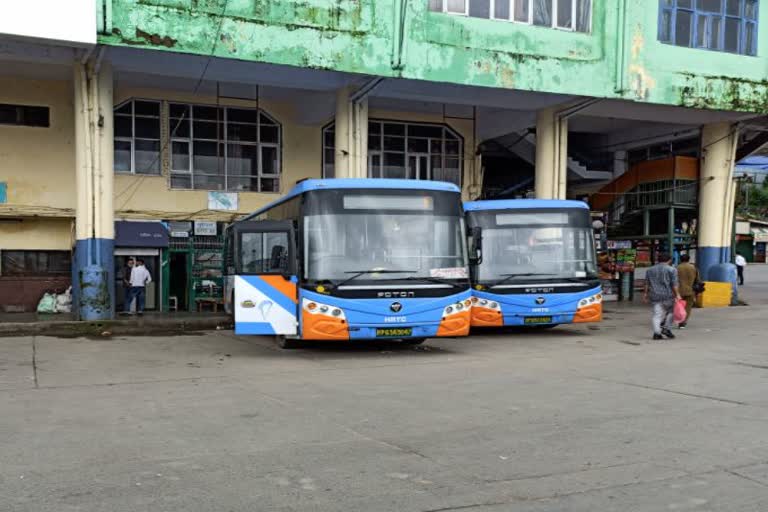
38 164
36 233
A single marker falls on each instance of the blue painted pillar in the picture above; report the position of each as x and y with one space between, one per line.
717 193
93 275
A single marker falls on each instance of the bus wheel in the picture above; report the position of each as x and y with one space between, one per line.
287 343
414 341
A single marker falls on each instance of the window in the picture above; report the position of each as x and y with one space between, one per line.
137 137
224 148
407 151
563 14
264 253
35 263
24 115
720 25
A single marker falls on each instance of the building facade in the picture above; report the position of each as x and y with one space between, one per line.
185 114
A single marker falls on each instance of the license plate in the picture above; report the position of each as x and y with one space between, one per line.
394 332
538 320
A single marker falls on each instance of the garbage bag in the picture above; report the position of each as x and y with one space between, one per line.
679 312
64 301
47 304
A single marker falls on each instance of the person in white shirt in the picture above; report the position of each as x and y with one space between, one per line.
139 279
741 262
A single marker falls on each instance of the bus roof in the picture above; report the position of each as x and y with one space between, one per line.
358 183
522 204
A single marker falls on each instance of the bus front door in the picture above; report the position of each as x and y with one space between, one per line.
266 293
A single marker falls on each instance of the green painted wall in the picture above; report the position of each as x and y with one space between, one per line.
620 58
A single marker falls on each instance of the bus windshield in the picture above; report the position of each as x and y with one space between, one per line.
377 235
530 244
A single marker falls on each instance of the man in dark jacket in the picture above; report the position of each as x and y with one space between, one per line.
687 275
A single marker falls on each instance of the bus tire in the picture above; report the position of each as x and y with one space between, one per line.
287 343
414 341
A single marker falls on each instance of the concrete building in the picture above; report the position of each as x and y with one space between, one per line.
187 113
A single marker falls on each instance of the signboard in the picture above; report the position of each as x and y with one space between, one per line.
140 234
180 234
619 244
205 228
742 228
222 201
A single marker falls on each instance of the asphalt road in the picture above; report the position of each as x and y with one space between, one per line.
572 419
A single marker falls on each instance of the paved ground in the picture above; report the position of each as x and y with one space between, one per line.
573 419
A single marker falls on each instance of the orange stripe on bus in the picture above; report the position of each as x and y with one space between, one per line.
282 285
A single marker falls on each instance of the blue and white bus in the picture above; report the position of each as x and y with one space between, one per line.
352 259
533 263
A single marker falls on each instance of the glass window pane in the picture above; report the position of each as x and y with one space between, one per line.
242 115
683 28
206 159
394 129
665 27
710 5
270 184
374 165
123 126
147 156
251 251
436 146
733 7
418 145
715 25
564 14
480 8
749 41
732 26
522 10
394 143
147 128
436 5
374 142
452 147
242 160
122 156
124 109
207 130
329 138
242 183
750 9
242 132
329 156
542 13
501 9
583 15
685 3
420 130
701 32
265 119
180 156
147 108
204 182
456 6
179 128
374 127
177 110
209 113
181 181
269 163
270 134
394 165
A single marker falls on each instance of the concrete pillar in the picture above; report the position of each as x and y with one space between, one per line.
716 193
92 267
620 163
551 154
351 135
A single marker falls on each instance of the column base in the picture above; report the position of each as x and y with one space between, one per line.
93 279
714 265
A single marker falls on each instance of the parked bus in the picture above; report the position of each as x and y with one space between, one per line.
533 263
352 259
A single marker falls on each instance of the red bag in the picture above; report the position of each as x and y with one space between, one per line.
679 312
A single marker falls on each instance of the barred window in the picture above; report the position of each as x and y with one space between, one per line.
137 137
573 15
35 263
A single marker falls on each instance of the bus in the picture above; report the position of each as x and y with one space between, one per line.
533 263
351 259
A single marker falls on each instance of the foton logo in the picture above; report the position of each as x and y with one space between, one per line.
396 307
540 300
395 295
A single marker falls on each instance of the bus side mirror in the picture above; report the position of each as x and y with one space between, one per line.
475 244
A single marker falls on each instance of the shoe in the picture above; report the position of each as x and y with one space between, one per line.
658 337
681 326
668 334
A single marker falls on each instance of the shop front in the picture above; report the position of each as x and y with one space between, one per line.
140 240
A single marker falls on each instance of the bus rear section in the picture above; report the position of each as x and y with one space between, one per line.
354 259
533 263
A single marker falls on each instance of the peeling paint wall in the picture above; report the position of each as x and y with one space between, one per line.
620 58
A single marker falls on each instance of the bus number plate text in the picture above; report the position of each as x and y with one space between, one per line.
394 332
538 320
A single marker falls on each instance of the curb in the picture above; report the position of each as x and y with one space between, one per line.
133 326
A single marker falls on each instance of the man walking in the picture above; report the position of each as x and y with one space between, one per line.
741 262
661 289
139 279
687 275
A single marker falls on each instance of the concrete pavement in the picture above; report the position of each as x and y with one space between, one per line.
572 419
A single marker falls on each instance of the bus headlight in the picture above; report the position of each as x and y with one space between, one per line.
458 307
317 308
593 299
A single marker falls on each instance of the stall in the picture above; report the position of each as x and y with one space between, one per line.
144 240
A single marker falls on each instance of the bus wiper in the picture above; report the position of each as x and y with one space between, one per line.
508 277
359 273
431 279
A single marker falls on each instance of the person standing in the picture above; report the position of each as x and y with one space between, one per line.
139 279
661 289
127 298
687 275
741 262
